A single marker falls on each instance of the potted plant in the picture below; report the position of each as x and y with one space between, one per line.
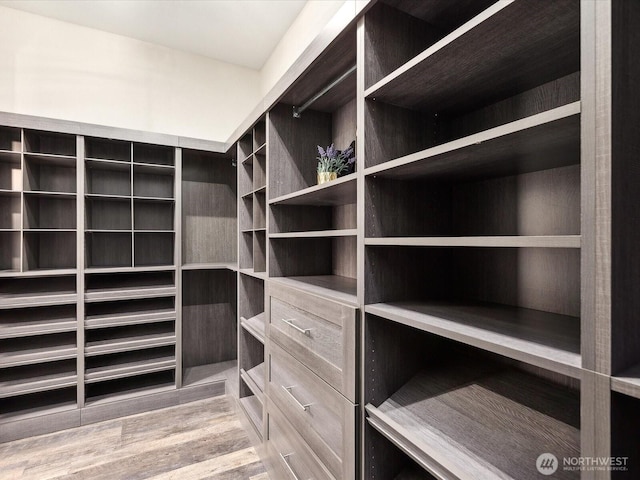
333 163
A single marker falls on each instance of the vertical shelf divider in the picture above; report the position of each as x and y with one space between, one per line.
80 265
177 223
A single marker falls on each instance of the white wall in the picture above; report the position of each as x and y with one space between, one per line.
59 70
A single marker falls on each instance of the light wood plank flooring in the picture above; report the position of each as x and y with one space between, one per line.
199 440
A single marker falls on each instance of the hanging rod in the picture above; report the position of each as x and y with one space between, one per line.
297 111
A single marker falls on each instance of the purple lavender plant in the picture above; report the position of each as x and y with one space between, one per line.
334 160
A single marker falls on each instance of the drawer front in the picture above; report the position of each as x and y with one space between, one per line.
289 453
324 418
320 333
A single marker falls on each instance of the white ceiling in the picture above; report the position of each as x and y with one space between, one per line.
242 32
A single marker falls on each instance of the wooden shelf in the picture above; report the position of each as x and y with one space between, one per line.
158 268
255 326
542 141
129 293
103 164
338 192
154 199
317 234
51 159
149 336
251 272
515 241
44 350
210 373
104 196
253 409
130 393
463 422
37 299
627 382
252 380
48 403
43 194
129 318
115 369
539 338
493 52
257 375
37 327
41 273
14 386
211 266
335 287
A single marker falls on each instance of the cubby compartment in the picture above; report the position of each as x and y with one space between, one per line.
33 291
460 412
259 210
153 154
259 135
153 181
98 393
101 368
209 208
287 220
10 140
259 171
251 305
108 249
43 377
49 174
61 144
153 249
108 178
209 328
10 211
245 256
129 312
251 365
10 171
49 250
245 214
245 177
397 31
293 145
259 251
108 214
625 444
107 149
49 212
245 147
152 215
128 286
126 338
10 257
541 203
31 321
325 265
523 303
37 349
36 404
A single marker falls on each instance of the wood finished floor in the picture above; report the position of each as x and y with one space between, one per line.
199 440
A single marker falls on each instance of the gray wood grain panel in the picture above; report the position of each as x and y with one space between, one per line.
153 215
152 249
295 257
596 428
259 251
108 250
108 214
209 205
107 180
294 218
344 256
49 212
259 210
100 413
49 250
39 425
10 256
336 192
343 124
250 296
208 317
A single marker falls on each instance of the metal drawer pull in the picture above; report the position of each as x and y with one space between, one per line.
304 331
285 459
301 405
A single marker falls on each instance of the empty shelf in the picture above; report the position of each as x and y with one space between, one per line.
253 408
10 329
10 387
463 422
115 369
47 351
255 326
341 191
251 272
129 318
37 299
254 378
627 382
38 404
317 234
516 241
123 343
211 266
540 338
341 289
477 59
202 374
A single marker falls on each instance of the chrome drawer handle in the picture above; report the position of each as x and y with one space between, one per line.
304 331
285 459
301 405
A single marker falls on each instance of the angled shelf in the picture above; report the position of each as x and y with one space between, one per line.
34 290
129 338
132 312
341 191
469 422
42 378
27 322
38 404
477 59
254 379
253 409
126 286
539 338
128 388
255 326
39 349
121 365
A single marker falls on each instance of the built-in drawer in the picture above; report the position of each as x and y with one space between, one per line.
319 332
288 453
323 417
